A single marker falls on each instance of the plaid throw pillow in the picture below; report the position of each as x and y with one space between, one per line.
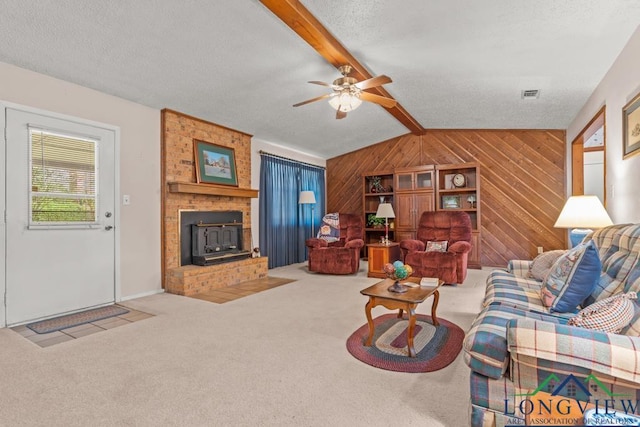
608 315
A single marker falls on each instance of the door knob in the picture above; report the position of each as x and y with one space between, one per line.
107 214
108 227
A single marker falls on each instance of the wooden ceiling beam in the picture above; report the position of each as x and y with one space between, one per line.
299 19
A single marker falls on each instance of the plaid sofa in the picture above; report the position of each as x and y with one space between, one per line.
516 347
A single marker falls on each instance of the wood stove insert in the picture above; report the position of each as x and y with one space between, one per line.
211 237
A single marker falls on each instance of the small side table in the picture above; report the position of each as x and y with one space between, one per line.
379 295
379 255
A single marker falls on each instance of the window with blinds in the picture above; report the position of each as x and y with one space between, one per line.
63 179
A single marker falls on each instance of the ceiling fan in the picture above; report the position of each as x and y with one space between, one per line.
348 93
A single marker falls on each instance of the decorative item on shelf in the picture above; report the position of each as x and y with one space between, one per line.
374 222
396 272
308 198
581 214
385 210
375 185
459 180
255 253
451 202
472 201
382 199
448 181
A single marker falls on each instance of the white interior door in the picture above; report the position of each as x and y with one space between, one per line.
60 241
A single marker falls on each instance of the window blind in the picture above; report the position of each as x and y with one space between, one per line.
63 178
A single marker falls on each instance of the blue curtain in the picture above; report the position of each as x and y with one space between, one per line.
284 223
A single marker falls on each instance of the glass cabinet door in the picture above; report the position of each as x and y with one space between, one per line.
404 181
408 181
424 180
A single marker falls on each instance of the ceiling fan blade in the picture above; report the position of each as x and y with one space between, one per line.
329 95
340 114
332 86
385 102
315 82
373 82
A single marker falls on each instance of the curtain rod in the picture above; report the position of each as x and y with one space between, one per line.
264 153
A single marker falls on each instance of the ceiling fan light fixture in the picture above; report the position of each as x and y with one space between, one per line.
345 102
349 93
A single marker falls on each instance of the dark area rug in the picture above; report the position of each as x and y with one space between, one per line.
71 320
436 346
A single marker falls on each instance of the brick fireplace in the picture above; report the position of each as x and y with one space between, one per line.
181 193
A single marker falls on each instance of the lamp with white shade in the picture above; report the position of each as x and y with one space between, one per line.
581 214
308 198
385 210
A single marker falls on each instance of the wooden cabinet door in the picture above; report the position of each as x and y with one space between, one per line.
423 202
405 235
379 255
404 214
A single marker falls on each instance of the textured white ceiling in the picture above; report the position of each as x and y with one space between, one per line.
454 63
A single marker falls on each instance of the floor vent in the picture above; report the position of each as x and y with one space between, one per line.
531 94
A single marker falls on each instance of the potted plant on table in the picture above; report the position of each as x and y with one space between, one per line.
374 222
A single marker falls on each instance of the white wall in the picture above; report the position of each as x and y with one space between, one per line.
594 174
139 163
619 86
269 147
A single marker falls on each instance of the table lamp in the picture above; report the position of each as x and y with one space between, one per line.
581 214
385 210
308 198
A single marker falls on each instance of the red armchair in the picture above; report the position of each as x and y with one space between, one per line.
342 256
450 266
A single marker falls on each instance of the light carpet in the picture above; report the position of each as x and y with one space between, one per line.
276 358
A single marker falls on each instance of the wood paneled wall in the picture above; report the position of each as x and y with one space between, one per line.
522 176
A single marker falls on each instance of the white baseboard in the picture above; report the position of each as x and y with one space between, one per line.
144 294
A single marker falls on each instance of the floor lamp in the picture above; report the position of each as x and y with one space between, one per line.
581 214
308 198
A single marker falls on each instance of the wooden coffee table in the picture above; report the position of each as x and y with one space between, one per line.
379 295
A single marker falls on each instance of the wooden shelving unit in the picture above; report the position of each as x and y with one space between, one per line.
372 197
418 189
463 195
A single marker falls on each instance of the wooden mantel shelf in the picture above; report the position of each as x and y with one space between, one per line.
211 189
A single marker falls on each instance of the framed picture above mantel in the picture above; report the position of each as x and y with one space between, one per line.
631 127
215 164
